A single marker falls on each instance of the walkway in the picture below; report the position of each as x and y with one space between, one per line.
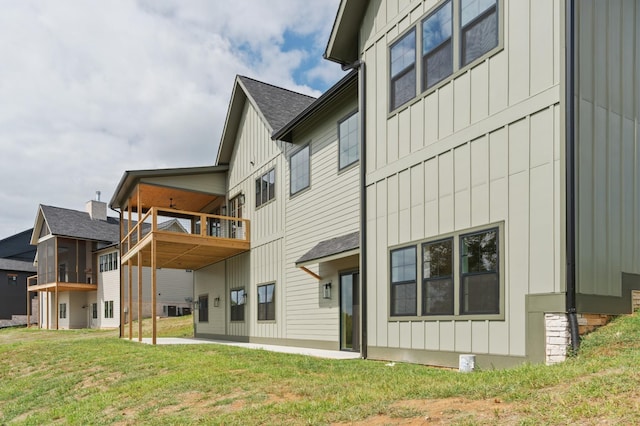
319 353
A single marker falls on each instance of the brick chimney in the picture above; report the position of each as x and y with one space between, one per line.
96 208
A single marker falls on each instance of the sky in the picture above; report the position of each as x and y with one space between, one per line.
90 89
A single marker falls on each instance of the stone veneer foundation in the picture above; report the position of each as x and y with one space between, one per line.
558 337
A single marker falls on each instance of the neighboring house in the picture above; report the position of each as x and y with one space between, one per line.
484 199
13 287
16 264
78 271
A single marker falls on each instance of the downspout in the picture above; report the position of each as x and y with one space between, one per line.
362 100
571 175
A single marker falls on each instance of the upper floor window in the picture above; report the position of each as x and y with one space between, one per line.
447 45
403 70
300 170
108 262
238 300
266 187
348 143
479 28
437 48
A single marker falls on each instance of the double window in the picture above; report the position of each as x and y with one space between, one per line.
453 35
300 170
266 302
348 141
266 187
463 267
238 300
203 308
108 309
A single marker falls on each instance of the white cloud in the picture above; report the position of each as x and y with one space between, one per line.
91 89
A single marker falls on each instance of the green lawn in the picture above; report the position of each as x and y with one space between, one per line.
92 377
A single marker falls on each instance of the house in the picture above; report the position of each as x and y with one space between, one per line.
481 197
16 264
502 185
78 271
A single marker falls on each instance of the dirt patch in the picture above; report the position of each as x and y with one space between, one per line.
442 412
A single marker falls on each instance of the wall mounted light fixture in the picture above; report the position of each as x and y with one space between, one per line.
216 302
326 294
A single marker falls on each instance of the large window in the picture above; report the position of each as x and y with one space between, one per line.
447 45
300 170
238 300
63 310
479 273
236 205
108 309
460 276
403 281
203 308
437 278
266 302
108 262
403 70
266 187
348 142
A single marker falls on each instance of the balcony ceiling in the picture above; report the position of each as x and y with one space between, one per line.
162 196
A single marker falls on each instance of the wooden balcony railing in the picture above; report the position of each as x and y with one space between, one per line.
201 226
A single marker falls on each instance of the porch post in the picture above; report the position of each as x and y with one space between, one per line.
121 276
130 268
139 294
153 288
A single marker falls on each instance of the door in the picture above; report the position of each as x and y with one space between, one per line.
350 311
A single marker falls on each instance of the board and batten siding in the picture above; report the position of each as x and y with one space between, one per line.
484 147
607 147
109 289
211 282
328 208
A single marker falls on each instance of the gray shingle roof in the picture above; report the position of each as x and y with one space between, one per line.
76 224
278 105
16 265
331 247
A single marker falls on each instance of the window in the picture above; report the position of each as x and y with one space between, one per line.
266 187
238 300
437 48
480 286
63 310
437 278
266 303
108 262
460 276
203 308
94 310
236 205
300 170
479 32
108 309
12 279
348 142
403 282
403 70
447 44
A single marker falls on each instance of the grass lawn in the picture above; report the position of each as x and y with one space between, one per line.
92 377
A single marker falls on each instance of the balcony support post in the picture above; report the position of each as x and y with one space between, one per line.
139 295
153 288
121 277
130 268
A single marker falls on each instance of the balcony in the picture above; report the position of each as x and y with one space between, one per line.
183 239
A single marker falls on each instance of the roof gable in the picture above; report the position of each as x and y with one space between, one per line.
342 46
275 105
76 224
